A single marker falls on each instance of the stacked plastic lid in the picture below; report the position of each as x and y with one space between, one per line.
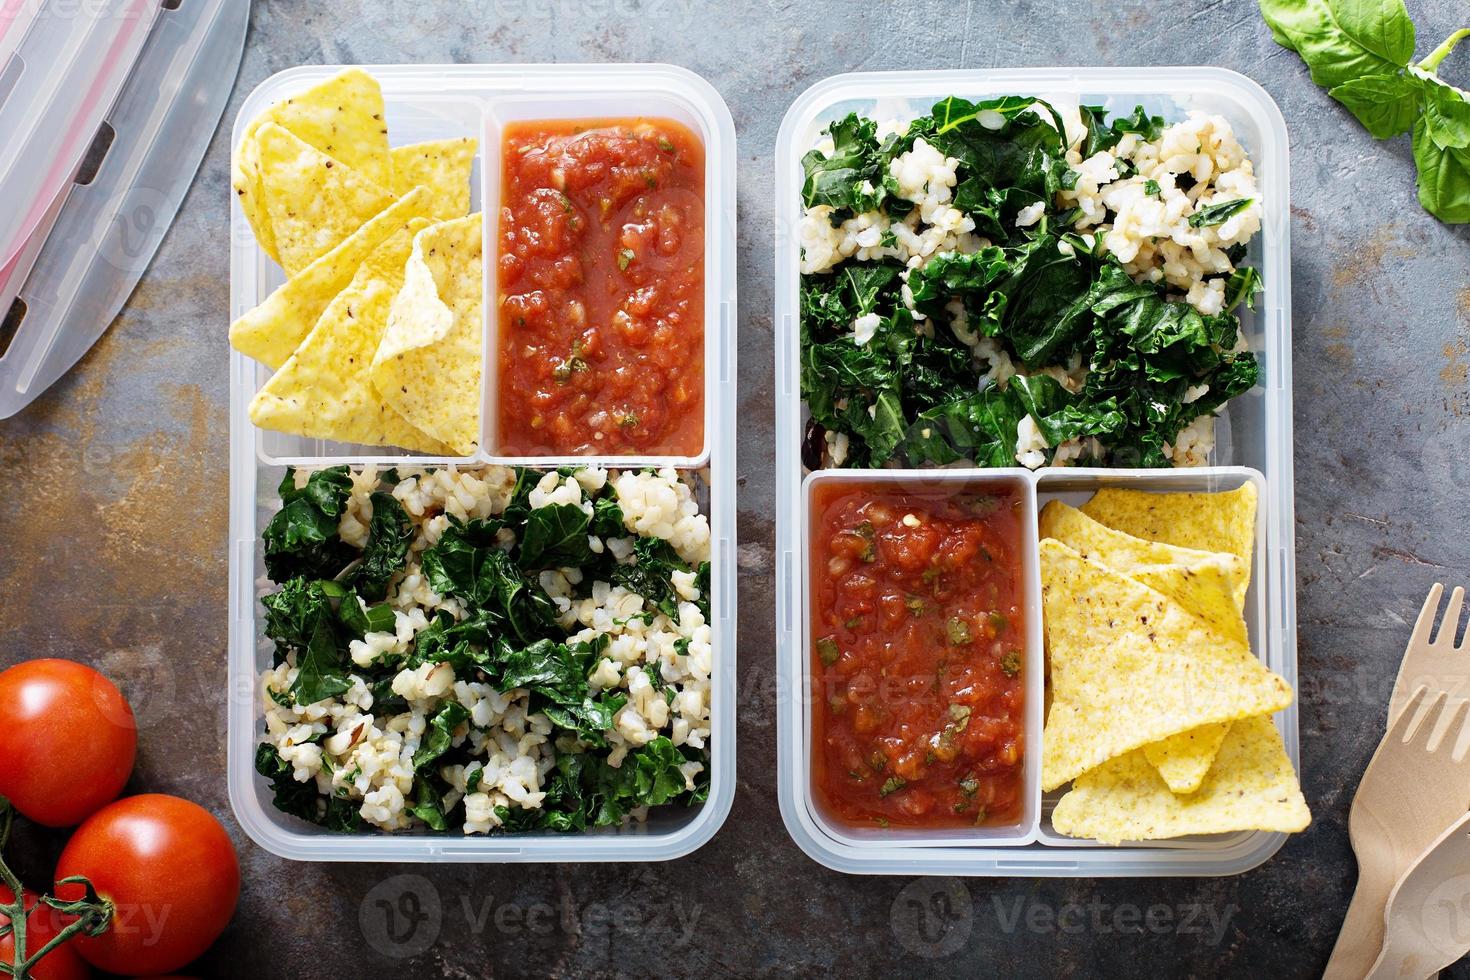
106 110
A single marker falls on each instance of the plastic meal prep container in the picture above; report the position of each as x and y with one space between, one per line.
425 102
1254 444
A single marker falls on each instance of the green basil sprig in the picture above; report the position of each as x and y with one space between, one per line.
1362 52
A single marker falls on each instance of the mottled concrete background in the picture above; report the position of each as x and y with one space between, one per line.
113 524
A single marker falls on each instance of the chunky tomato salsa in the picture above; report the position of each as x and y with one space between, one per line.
917 656
601 289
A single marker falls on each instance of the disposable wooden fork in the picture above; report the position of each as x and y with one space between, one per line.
1439 664
1414 787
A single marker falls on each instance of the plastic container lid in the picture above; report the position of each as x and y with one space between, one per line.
85 245
63 66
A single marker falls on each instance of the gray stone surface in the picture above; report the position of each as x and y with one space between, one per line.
112 529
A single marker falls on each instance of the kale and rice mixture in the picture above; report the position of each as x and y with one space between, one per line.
486 649
1013 282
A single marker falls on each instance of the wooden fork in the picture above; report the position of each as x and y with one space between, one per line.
1413 789
1439 663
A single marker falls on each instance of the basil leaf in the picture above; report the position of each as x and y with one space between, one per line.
1444 177
1381 27
1343 39
1446 115
1386 105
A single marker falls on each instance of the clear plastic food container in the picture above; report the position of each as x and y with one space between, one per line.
1254 443
425 102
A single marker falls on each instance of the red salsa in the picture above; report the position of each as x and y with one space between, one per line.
917 665
601 289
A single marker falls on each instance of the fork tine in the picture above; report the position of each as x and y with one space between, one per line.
1406 724
1425 623
1449 625
1454 729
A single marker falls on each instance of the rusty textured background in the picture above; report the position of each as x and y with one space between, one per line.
113 525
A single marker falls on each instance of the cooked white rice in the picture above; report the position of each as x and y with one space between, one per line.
1149 233
350 752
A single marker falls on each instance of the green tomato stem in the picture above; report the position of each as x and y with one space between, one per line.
15 909
1439 54
93 914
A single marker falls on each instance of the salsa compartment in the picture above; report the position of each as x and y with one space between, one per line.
918 675
600 285
922 670
602 310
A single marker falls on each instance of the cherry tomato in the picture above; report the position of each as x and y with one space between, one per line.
43 923
68 741
171 872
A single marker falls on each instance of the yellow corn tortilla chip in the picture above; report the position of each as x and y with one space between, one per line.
1251 787
1209 584
1129 666
1183 760
1205 521
428 365
443 166
275 328
342 117
245 178
311 200
323 390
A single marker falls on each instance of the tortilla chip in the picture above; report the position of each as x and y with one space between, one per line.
1184 759
1210 584
312 201
1251 787
323 390
1129 666
428 365
443 166
275 328
1205 521
245 178
342 117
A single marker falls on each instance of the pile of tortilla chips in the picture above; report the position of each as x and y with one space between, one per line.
1160 715
375 337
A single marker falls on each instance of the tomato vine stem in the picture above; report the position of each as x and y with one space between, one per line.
93 914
